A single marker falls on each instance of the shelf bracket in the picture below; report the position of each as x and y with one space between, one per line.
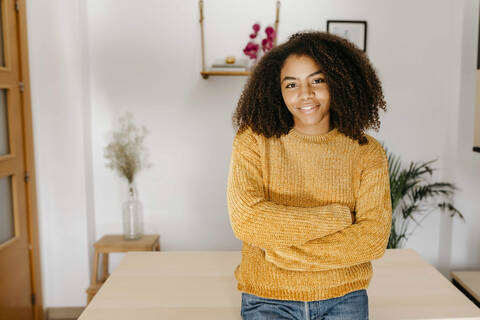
200 4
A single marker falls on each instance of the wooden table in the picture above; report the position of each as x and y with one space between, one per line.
201 285
470 282
116 243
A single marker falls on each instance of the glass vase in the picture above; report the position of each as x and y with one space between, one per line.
132 215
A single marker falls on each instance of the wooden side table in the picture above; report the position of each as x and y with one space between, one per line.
116 243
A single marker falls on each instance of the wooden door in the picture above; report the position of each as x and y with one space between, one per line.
15 263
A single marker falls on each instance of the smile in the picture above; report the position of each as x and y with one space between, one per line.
309 108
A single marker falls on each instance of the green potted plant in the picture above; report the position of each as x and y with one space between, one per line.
413 195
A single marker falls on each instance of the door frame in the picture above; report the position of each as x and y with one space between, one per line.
31 191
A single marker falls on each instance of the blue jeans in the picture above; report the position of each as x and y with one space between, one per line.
352 306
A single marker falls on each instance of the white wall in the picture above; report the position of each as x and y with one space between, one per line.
91 62
58 102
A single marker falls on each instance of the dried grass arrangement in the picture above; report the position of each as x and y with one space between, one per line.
125 152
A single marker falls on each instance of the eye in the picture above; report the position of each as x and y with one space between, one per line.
319 80
290 85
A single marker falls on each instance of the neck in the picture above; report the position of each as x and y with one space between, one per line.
313 130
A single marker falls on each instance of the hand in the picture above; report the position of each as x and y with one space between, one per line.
258 248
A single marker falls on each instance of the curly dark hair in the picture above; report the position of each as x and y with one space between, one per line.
355 90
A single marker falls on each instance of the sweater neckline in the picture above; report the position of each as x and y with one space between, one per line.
325 137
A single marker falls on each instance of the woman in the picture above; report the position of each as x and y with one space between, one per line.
308 191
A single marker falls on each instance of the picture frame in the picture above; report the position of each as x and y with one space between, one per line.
353 30
476 124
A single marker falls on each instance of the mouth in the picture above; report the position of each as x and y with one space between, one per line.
309 108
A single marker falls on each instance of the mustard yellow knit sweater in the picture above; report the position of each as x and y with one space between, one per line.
291 200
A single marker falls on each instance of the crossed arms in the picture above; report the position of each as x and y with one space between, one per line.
308 239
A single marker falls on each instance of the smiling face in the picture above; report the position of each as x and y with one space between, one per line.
306 95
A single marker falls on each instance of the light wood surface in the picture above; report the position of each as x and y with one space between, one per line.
201 285
115 243
64 313
476 131
470 281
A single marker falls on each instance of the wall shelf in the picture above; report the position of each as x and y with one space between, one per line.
205 74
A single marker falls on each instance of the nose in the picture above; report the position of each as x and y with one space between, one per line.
306 92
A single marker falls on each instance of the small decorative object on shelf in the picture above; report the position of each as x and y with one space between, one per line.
127 156
230 59
266 44
239 65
